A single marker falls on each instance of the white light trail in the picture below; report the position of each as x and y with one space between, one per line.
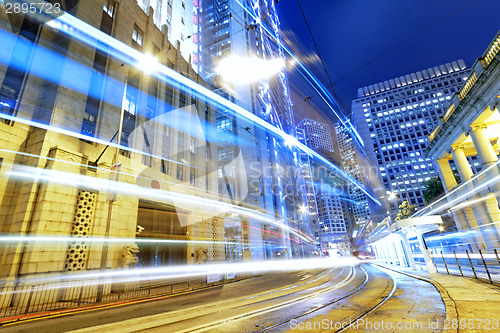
62 239
313 81
246 70
458 188
90 35
99 184
184 271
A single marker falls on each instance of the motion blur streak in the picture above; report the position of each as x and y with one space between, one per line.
52 239
477 188
64 178
182 271
77 28
309 76
88 34
97 168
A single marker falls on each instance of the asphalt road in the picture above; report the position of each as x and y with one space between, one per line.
305 301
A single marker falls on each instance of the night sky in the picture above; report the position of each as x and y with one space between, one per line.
367 41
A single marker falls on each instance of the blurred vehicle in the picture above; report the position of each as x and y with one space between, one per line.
363 255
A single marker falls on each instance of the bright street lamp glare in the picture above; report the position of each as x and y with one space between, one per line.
147 64
244 70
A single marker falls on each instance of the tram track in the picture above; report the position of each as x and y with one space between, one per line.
173 320
249 315
340 295
386 293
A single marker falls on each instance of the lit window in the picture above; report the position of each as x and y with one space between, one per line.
192 145
109 8
137 36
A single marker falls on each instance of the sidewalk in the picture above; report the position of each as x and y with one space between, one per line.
476 303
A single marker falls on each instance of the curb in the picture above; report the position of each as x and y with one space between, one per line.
449 303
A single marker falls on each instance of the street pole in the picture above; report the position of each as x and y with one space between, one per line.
112 198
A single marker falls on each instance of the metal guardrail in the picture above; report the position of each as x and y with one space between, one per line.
479 264
39 298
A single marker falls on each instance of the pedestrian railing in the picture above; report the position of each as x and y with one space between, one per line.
479 264
23 299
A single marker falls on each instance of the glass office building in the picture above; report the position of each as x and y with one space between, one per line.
395 117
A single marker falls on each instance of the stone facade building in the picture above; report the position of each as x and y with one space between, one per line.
63 103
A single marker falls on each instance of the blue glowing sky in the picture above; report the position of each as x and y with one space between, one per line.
386 38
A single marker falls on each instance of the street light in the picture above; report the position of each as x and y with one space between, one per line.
238 69
147 63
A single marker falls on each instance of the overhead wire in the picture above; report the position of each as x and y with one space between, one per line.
317 48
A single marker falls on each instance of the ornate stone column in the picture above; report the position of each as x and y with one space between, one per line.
488 157
447 174
449 182
483 221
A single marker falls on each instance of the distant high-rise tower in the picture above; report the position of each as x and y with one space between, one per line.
352 166
333 226
317 134
395 117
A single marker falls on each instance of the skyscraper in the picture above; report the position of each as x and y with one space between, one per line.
333 226
317 134
352 166
273 185
395 117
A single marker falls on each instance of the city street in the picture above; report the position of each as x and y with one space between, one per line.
270 302
249 166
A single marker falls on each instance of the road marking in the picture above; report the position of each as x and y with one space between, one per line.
141 323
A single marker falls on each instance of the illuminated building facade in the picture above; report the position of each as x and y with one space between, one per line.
317 134
352 166
394 118
470 129
272 180
309 188
333 226
61 105
181 20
